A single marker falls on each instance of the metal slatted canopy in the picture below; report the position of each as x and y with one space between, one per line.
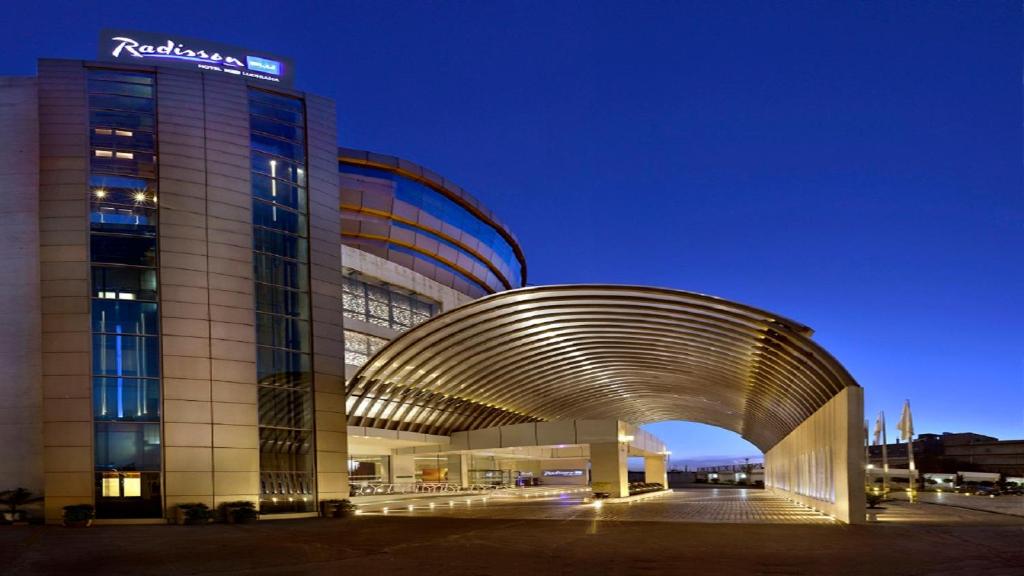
635 353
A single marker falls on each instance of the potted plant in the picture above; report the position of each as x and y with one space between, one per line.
337 508
239 512
78 515
12 499
193 513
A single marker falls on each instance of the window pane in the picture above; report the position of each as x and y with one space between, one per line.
127 446
282 332
278 367
119 314
127 103
131 250
285 149
279 191
117 281
278 129
131 399
271 216
285 407
274 242
131 356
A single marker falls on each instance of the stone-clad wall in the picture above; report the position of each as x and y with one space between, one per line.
21 398
64 284
211 440
325 298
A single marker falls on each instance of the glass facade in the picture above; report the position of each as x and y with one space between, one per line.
360 347
281 272
384 305
506 270
123 222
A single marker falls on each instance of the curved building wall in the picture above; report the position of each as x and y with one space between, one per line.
404 213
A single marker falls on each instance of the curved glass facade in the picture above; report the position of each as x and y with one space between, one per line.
406 220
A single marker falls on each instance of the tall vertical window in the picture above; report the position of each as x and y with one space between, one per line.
281 254
123 254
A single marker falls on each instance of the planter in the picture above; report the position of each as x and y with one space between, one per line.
336 509
192 514
78 523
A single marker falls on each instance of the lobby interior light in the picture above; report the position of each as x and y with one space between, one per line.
100 193
140 196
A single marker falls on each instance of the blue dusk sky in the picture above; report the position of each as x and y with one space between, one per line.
855 166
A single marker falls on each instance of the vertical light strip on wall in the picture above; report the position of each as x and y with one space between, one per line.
281 272
123 254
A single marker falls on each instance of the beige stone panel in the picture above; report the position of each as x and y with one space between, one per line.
332 485
232 413
185 261
234 392
183 310
234 371
233 225
63 271
67 386
332 462
188 483
186 367
67 434
186 411
186 346
332 441
183 294
230 436
236 459
234 315
67 410
185 389
231 266
172 500
66 305
53 323
182 277
175 245
237 482
187 434
240 299
67 342
59 237
327 402
235 284
188 459
68 459
70 484
193 328
236 332
182 231
58 288
233 350
331 421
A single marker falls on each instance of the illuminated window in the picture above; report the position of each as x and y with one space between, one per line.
104 153
111 486
125 155
132 486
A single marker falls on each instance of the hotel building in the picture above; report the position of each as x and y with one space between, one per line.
197 282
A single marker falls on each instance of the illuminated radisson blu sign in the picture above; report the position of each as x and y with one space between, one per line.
130 47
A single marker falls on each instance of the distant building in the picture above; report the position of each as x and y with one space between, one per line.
952 452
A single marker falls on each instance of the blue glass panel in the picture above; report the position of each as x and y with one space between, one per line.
281 301
127 446
103 86
125 120
278 367
126 103
126 399
278 129
276 270
282 332
275 100
122 249
279 191
278 147
117 280
126 356
273 242
278 218
278 168
123 316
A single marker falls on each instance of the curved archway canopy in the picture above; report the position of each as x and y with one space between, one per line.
633 353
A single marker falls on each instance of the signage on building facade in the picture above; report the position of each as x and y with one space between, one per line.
564 473
157 49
